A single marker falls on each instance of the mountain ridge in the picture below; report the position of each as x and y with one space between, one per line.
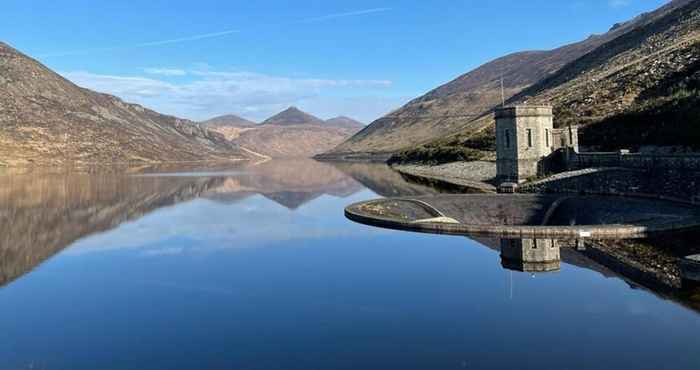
47 120
228 120
291 133
345 122
462 107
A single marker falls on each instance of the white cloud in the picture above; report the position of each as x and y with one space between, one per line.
165 71
125 87
257 96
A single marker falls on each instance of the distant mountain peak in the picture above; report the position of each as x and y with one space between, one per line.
345 122
293 116
228 120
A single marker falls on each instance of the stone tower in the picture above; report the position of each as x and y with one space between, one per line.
525 141
524 136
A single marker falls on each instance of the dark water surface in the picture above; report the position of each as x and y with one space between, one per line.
257 268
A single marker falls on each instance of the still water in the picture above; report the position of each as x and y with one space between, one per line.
255 267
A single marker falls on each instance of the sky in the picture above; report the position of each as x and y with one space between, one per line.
356 58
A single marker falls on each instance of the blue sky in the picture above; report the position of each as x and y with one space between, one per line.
253 58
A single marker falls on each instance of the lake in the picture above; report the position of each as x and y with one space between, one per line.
256 267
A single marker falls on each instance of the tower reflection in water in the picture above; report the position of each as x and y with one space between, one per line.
531 255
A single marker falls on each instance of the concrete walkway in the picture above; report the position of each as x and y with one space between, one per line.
528 216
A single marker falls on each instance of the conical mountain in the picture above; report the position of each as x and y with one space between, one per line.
291 134
293 116
45 120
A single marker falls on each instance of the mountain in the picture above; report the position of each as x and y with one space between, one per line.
463 107
345 122
293 116
641 89
230 125
295 141
291 134
47 120
229 120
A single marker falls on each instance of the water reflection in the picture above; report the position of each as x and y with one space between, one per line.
531 255
41 213
256 267
290 183
640 263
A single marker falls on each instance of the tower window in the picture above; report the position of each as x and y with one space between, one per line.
571 136
546 136
529 138
507 136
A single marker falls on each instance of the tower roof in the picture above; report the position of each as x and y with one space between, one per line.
524 111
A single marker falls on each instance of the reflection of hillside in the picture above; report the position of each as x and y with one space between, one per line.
382 180
42 214
291 199
290 183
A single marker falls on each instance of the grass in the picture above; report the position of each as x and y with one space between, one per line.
456 148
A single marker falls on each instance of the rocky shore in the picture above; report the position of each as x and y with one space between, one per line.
478 174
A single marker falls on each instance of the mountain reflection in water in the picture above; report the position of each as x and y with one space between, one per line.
254 266
43 213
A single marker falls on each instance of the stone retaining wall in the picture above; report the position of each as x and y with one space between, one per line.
623 158
667 184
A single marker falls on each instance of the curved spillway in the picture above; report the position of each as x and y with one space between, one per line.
528 216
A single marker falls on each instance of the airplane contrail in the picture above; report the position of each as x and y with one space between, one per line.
190 38
142 45
348 14
209 35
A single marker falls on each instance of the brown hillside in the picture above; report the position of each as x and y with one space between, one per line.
231 126
45 119
345 122
462 106
292 134
229 120
642 88
298 141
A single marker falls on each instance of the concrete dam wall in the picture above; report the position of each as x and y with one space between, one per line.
528 216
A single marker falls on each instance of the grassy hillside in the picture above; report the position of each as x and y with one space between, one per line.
639 89
596 83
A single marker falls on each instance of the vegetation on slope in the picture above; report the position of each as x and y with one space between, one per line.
667 114
640 88
451 149
588 83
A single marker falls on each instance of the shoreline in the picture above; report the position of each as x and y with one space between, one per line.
478 175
